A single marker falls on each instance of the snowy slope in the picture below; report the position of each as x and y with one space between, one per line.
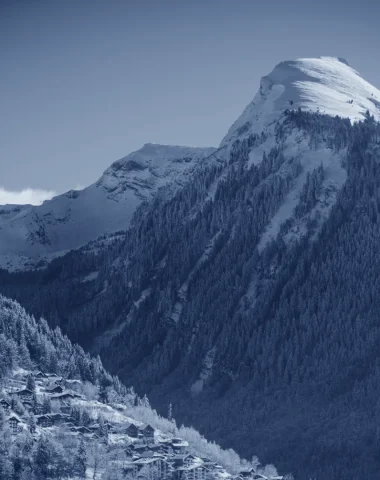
30 233
326 85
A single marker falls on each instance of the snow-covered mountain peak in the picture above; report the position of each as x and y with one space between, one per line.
325 84
151 167
155 155
33 233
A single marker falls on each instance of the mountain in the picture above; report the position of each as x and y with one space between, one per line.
74 420
30 235
249 297
325 85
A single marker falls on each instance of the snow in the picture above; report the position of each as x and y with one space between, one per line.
35 234
326 85
208 363
335 177
90 277
182 292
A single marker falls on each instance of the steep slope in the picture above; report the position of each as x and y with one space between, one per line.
325 85
236 299
74 420
32 234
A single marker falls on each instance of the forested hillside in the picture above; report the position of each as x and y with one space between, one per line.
62 416
249 300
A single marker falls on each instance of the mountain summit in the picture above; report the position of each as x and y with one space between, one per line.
31 235
326 85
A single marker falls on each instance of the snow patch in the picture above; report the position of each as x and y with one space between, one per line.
206 372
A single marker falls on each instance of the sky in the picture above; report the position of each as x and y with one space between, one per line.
85 82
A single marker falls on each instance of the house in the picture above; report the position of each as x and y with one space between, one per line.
155 447
65 407
60 418
14 422
147 433
4 404
193 472
179 446
139 449
182 460
38 409
130 468
110 427
24 395
44 421
247 473
158 465
129 449
165 446
67 395
38 374
55 389
131 430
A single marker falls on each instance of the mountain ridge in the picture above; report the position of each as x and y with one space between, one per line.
248 299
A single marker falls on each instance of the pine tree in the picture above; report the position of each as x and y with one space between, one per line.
42 458
145 401
31 383
31 424
80 460
46 405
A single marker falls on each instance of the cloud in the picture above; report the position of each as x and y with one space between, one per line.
33 196
79 186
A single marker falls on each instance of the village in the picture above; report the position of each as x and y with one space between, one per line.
42 403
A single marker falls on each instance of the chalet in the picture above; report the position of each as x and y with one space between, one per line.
4 404
65 396
155 447
129 449
38 409
165 446
247 473
192 472
60 418
38 374
158 464
44 421
182 460
65 407
110 427
179 446
24 395
150 454
147 432
139 449
131 430
55 389
14 423
130 468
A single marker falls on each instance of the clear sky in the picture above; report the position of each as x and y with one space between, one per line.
84 82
